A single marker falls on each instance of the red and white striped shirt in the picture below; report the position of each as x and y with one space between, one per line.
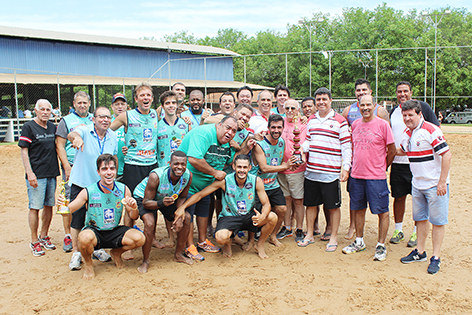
424 147
328 143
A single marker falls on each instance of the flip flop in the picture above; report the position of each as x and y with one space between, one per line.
325 237
331 248
316 233
305 243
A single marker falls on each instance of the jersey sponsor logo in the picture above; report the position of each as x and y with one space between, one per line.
164 186
108 201
241 135
162 137
173 146
248 186
147 134
162 129
133 143
274 161
182 126
134 125
118 204
250 196
268 180
231 195
108 216
95 197
281 144
231 187
242 208
162 155
95 205
152 115
146 152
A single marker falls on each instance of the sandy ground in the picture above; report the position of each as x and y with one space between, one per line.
293 280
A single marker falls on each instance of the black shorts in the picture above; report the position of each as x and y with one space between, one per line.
276 198
237 223
167 212
400 180
109 238
318 193
134 174
78 217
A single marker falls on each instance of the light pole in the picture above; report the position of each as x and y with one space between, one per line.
435 24
309 26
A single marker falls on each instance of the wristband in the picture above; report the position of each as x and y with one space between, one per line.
160 204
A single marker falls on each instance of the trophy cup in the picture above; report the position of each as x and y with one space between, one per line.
64 209
296 140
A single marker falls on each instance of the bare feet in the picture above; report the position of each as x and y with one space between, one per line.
128 255
237 240
88 272
350 234
227 252
170 242
144 267
274 241
183 259
117 258
157 244
260 251
247 246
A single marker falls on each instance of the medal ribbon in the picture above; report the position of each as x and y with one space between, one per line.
172 186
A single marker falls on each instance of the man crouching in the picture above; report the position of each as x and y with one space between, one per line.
105 201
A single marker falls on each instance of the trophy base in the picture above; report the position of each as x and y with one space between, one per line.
63 210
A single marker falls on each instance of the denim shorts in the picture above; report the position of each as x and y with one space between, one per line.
427 205
43 195
373 191
200 209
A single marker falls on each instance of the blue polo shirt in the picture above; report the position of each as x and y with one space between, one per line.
84 171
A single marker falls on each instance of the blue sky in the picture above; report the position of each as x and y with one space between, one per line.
134 19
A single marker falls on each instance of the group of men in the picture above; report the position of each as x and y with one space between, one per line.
178 159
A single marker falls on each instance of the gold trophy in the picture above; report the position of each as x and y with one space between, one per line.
296 140
64 209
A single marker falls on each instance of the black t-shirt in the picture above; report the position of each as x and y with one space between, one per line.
41 146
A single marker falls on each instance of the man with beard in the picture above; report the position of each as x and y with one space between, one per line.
239 189
282 94
141 139
179 89
165 190
196 113
208 151
268 156
90 142
80 116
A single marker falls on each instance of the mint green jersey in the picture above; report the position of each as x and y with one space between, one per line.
165 188
238 201
72 121
239 138
120 135
141 137
104 210
167 135
274 155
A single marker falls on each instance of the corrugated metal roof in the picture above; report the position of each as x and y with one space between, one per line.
99 80
106 40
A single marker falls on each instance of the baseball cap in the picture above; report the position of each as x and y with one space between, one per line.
117 96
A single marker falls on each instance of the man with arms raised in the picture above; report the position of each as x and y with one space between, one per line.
270 159
196 113
165 190
208 151
373 149
400 174
430 162
104 201
239 189
329 151
80 116
38 154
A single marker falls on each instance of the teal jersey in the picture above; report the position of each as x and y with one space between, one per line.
239 138
104 210
276 111
166 139
141 138
202 143
274 156
195 119
73 121
165 188
120 135
238 201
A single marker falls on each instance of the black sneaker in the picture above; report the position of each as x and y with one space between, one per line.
284 232
434 265
299 235
414 256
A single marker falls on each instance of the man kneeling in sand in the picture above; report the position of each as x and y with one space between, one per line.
238 213
105 201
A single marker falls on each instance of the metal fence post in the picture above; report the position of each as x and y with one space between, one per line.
377 74
59 95
16 102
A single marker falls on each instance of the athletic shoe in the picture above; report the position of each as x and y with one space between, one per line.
67 247
46 243
354 248
193 253
284 232
412 242
434 265
299 235
36 249
101 255
397 237
380 253
241 234
208 247
413 256
75 261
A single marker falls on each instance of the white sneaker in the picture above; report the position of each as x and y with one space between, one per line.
101 255
75 261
